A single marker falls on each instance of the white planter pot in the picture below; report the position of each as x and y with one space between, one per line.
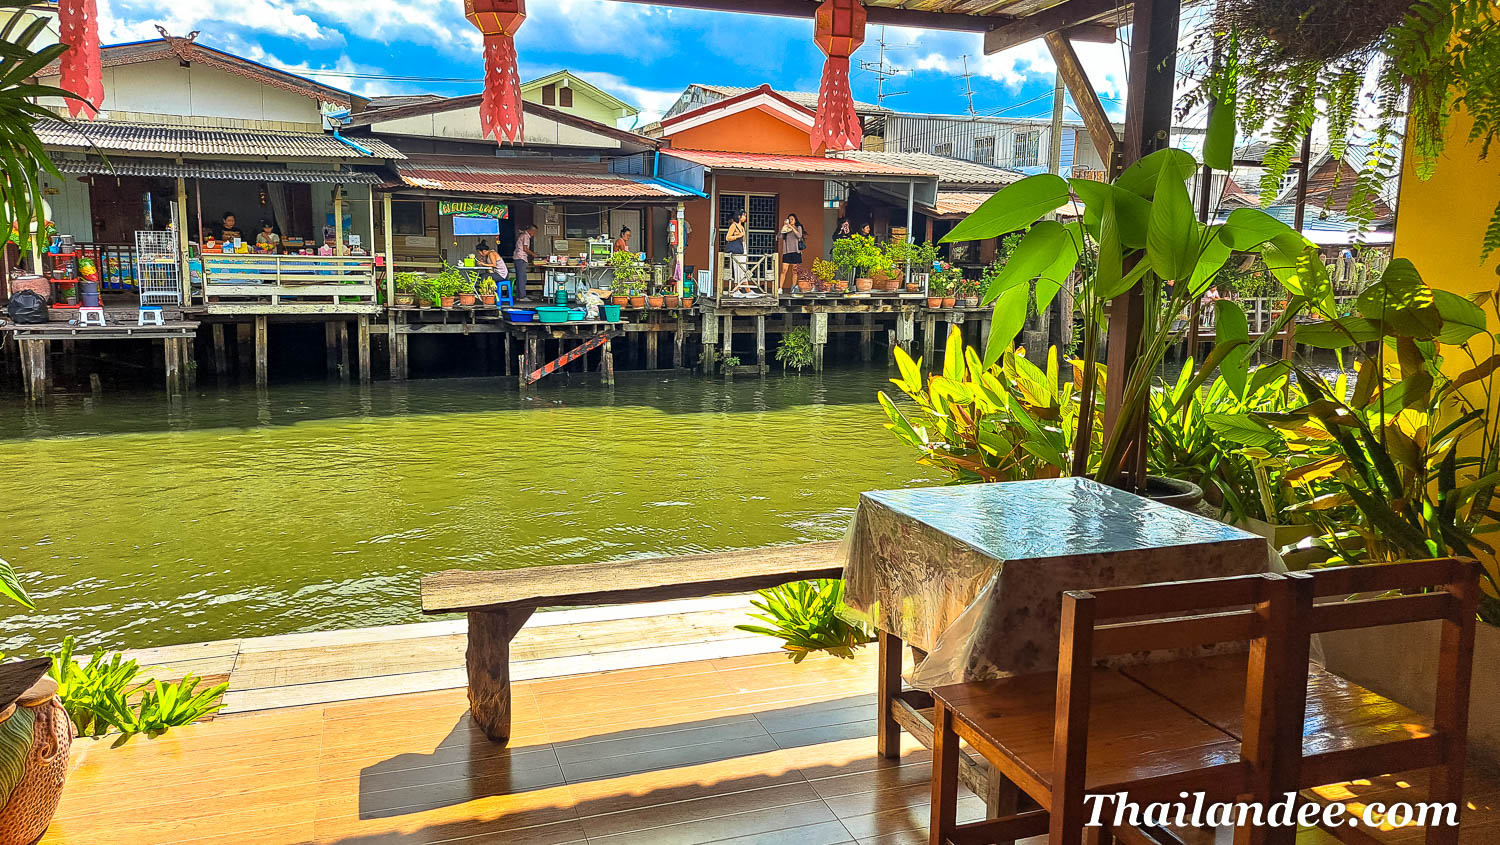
1400 663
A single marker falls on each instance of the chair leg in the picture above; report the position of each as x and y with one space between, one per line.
1002 798
1101 835
1446 787
887 687
944 776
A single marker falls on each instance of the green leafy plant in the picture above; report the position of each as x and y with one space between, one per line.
107 694
945 281
22 158
408 282
858 253
826 271
630 272
729 362
486 285
903 254
795 351
805 616
11 586
1137 232
1297 64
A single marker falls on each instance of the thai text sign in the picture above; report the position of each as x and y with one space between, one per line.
497 210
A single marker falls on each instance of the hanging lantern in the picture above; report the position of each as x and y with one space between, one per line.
80 69
840 29
498 20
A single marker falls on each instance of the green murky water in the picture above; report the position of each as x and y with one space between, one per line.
136 522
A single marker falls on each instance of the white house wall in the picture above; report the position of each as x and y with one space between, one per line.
463 125
68 201
145 92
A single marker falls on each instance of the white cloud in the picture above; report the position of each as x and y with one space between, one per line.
438 23
136 20
599 27
337 75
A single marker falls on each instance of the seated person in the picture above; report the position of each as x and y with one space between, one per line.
267 239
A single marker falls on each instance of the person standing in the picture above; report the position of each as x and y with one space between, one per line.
792 240
734 246
522 258
622 243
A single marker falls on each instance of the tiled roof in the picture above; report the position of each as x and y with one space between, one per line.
801 98
518 182
950 171
235 171
830 166
203 141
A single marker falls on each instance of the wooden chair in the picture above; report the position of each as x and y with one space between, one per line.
1090 730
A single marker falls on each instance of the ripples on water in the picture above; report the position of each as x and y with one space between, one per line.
235 513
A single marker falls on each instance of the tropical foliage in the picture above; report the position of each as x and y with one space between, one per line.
795 351
108 694
805 615
22 159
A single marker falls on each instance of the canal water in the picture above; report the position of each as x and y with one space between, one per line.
137 522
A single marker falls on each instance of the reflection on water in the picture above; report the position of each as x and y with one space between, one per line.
136 522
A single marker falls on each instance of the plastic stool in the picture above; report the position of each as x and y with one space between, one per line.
154 314
502 293
90 316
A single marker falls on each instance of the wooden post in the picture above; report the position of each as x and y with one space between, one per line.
679 344
188 362
760 344
535 344
390 344
651 349
341 331
728 335
185 277
505 353
488 663
867 334
330 349
69 359
607 363
906 329
390 255
170 352
244 347
929 340
887 687
221 359
338 219
710 338
34 368
261 344
362 325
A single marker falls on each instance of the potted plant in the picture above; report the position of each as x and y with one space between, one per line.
905 257
856 255
486 286
631 275
1111 243
656 301
968 291
806 281
825 272
687 302
407 284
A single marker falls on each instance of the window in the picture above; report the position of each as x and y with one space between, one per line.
1028 148
565 97
406 218
760 238
549 95
984 150
582 221
943 150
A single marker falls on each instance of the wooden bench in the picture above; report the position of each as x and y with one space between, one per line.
499 602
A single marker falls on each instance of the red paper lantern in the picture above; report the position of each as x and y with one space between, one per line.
80 69
498 20
840 29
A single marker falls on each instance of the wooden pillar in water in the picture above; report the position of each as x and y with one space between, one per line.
331 347
535 347
679 344
818 328
363 326
710 338
728 335
34 368
652 339
760 344
341 332
244 347
221 358
906 329
262 342
867 337
189 362
607 363
505 352
69 359
171 350
929 338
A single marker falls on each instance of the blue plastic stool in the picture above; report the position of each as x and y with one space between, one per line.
502 292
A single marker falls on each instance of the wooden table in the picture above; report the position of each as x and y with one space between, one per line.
971 577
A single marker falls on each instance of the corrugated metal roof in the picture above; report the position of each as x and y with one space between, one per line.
815 165
513 182
202 141
247 172
950 171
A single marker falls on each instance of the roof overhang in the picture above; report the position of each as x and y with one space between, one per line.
760 99
231 171
486 177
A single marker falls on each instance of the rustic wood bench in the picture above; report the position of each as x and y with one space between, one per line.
499 602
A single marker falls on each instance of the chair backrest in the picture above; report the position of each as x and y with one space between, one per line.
1260 610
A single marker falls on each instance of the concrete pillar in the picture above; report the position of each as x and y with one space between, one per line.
728 335
818 328
171 350
906 329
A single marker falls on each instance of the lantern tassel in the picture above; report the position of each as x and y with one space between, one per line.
500 110
80 68
836 126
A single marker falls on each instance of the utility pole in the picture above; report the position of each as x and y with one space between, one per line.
883 71
969 87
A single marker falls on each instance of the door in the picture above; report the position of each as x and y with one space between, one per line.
629 217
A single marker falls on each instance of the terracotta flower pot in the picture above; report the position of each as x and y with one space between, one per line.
971 302
657 301
487 298
888 284
838 287
934 302
40 754
805 287
638 302
619 300
671 301
428 303
913 287
467 299
687 302
864 284
406 299
949 301
446 302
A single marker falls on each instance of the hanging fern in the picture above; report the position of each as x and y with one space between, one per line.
1390 72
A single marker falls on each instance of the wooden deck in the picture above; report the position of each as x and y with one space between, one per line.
736 750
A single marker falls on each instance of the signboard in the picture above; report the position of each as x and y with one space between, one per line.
497 210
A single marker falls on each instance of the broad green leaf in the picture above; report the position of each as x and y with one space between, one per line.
1338 334
1218 144
11 587
1241 429
1232 328
1462 319
1132 213
1172 232
1013 207
1402 302
953 355
1037 251
1009 318
1302 273
1248 228
1214 256
1144 177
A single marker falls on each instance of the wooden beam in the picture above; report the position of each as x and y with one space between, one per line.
1070 68
1073 15
878 15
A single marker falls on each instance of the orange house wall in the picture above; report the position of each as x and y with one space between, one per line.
803 197
749 131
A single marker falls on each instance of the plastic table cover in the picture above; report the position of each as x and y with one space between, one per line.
974 575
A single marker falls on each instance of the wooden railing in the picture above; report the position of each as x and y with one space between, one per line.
762 271
306 277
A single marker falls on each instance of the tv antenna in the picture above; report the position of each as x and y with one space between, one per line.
969 87
883 71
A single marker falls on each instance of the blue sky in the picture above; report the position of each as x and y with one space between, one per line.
643 54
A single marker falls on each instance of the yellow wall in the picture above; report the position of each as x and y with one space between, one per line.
1440 223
